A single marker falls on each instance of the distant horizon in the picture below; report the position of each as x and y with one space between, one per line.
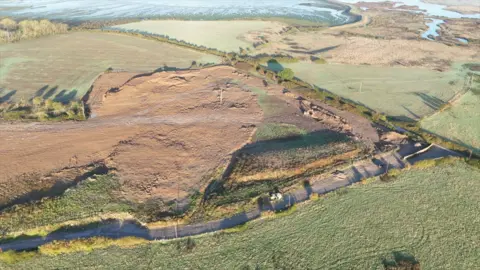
320 11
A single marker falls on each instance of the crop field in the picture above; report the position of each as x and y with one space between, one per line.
222 35
63 67
402 92
429 214
460 122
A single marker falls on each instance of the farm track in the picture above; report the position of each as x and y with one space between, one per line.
118 229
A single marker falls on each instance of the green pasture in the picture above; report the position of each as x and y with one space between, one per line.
64 67
271 131
429 214
460 122
222 35
407 93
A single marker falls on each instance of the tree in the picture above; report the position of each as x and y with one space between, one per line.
286 74
8 25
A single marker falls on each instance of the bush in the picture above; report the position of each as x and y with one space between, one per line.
286 74
42 110
29 29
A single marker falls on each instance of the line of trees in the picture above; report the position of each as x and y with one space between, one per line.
11 31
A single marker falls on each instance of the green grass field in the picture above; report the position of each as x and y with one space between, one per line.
271 131
64 66
461 122
222 35
431 214
401 92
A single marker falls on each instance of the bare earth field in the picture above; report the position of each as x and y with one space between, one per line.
64 66
152 131
165 134
222 35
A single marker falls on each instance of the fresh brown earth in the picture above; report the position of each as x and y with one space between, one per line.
161 133
164 134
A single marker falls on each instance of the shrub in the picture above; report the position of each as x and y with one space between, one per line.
286 74
42 110
29 29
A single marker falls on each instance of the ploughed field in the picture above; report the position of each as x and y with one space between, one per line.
63 67
222 35
428 215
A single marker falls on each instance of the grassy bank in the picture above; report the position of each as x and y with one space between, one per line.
429 214
91 198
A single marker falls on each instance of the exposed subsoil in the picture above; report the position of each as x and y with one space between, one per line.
163 133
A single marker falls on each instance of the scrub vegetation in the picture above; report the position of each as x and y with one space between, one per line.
426 217
11 31
42 110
